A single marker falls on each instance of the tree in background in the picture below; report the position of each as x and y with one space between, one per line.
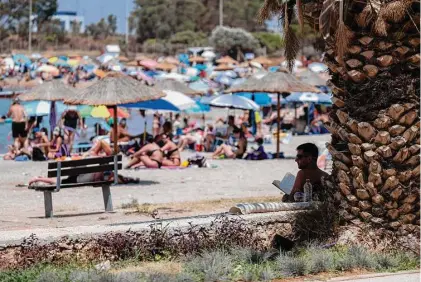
112 24
373 53
162 18
272 41
233 41
103 28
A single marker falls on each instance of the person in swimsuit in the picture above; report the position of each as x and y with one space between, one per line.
171 151
70 120
306 159
149 155
85 178
57 147
18 115
233 152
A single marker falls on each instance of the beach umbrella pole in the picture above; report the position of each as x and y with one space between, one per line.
278 124
115 130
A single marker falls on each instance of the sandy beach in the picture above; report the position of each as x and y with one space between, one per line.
22 208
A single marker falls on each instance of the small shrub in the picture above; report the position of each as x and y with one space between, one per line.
320 260
130 205
293 265
386 261
185 277
362 257
159 277
251 256
49 276
211 266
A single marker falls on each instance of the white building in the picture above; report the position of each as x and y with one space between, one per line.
67 18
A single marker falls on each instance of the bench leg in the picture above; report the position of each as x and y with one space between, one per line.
106 193
48 204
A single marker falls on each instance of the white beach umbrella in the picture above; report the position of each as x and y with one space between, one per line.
179 100
233 102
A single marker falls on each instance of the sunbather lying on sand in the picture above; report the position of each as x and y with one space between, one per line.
149 155
84 178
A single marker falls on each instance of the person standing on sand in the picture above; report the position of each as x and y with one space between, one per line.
306 159
19 118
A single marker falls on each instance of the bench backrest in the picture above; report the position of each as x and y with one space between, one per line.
91 165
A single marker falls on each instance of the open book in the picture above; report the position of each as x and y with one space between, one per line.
286 184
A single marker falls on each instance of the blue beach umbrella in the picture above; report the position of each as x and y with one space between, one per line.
198 108
308 97
156 105
261 99
223 79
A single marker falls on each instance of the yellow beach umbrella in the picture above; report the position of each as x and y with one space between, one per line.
100 112
73 62
52 60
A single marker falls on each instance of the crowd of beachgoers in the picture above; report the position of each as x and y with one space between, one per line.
162 135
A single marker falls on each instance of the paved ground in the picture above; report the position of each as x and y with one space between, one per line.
23 209
409 276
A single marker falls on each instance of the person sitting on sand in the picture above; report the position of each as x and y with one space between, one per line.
123 134
149 155
306 159
209 138
57 148
259 153
172 153
233 152
100 148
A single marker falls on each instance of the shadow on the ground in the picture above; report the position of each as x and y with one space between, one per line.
144 183
75 214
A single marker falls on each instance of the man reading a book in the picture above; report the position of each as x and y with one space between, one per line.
306 159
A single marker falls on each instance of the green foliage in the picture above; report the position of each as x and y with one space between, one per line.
272 41
103 28
243 264
162 18
225 39
189 38
154 46
211 266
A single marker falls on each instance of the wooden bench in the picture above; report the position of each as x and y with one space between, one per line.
76 168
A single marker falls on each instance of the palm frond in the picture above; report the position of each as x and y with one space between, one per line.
292 44
328 13
395 11
380 27
364 18
300 14
269 8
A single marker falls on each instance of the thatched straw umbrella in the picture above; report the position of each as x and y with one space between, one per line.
53 91
226 60
165 66
115 89
197 59
262 60
174 85
223 67
278 83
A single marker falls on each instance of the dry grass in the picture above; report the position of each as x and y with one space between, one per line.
166 267
193 207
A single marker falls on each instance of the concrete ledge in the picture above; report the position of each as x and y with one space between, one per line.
15 237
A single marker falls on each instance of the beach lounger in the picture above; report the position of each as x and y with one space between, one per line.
77 168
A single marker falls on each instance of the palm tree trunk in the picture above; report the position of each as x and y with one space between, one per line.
375 122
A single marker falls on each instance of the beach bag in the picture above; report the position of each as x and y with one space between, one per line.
38 155
198 160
